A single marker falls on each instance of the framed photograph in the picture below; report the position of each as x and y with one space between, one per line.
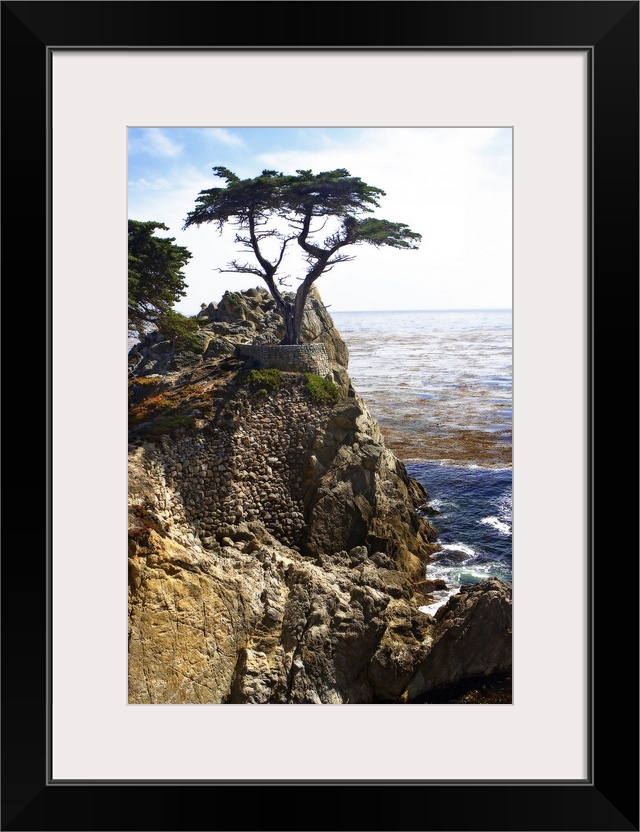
561 81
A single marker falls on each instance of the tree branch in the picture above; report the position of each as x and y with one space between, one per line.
284 245
253 241
245 268
314 251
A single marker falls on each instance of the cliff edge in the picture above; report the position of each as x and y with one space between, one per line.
277 552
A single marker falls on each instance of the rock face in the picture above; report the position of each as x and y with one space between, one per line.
248 317
277 553
306 471
472 637
360 494
252 621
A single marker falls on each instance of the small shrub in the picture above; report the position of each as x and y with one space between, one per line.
192 390
270 378
321 390
141 388
150 407
166 400
167 424
144 380
181 330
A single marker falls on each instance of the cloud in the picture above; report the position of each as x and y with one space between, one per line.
150 185
222 136
452 185
154 142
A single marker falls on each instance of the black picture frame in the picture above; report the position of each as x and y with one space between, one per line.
608 799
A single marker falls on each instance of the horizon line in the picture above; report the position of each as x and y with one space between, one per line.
444 309
439 309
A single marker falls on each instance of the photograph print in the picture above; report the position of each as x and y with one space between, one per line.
319 355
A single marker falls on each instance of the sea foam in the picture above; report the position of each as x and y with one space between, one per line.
498 525
459 547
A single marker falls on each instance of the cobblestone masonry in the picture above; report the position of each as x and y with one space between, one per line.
304 358
246 468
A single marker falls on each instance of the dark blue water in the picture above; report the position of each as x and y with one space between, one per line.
474 521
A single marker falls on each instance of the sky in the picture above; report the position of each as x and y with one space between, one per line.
451 185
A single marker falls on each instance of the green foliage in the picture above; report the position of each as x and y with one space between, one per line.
270 378
179 329
324 213
385 233
150 407
330 193
146 408
141 388
143 381
156 280
168 424
321 390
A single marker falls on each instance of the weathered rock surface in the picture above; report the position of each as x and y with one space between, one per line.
277 553
471 637
359 493
255 622
248 317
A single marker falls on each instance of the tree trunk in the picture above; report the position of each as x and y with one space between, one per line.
292 316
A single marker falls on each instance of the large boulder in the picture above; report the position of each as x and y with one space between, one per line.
248 317
359 493
254 622
472 637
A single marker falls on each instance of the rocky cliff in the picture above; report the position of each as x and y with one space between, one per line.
277 549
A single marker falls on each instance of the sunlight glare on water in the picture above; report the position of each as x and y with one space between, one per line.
438 383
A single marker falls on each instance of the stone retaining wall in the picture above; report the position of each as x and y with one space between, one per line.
303 358
251 470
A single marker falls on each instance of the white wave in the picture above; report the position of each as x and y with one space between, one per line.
470 466
459 547
435 571
431 609
435 503
498 525
504 503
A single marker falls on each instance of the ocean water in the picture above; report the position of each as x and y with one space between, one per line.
439 385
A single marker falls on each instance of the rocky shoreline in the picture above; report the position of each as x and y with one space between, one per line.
277 548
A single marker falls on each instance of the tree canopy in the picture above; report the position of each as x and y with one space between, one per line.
156 280
324 213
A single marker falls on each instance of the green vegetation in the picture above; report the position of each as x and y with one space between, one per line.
161 404
151 407
144 381
270 378
156 280
180 329
323 213
167 424
263 382
141 388
156 408
321 390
